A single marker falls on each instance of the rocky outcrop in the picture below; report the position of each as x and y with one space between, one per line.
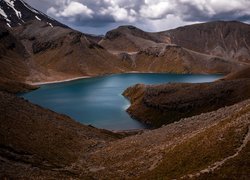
163 104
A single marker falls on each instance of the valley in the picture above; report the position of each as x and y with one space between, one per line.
81 99
193 94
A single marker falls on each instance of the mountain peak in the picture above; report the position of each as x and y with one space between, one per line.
16 12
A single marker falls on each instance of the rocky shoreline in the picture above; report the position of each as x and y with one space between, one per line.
157 105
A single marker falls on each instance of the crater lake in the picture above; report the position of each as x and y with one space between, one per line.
98 101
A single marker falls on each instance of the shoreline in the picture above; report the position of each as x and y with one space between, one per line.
59 81
102 75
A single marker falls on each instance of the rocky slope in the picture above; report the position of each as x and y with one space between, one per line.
35 48
12 86
175 59
16 12
42 49
36 143
64 53
188 49
133 39
181 149
225 39
12 57
230 40
162 104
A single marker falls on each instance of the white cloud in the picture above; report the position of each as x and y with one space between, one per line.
156 11
70 10
119 14
153 13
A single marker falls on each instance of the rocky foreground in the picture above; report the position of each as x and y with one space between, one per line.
37 143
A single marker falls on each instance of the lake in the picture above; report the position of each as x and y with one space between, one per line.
99 101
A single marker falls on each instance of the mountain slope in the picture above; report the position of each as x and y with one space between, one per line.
12 57
35 137
62 50
226 47
175 59
42 49
128 39
16 12
38 48
163 104
227 39
230 40
37 143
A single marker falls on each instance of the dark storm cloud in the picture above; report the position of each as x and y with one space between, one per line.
154 14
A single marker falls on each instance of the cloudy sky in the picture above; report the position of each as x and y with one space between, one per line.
99 16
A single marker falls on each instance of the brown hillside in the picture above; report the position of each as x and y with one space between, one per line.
128 39
230 40
37 143
162 104
12 57
12 86
179 149
58 53
244 73
41 140
175 59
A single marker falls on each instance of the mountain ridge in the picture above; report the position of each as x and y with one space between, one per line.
16 12
51 53
37 143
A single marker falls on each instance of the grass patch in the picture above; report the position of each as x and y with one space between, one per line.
200 151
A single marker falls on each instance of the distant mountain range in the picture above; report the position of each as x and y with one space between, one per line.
36 48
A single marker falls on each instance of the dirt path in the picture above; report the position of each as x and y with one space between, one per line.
218 164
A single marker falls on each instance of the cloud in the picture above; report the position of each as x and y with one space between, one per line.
119 14
156 10
160 13
72 11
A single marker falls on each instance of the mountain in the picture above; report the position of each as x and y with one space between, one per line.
37 48
16 12
225 39
230 40
133 39
215 47
37 143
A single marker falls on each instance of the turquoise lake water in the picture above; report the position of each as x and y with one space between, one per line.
98 101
